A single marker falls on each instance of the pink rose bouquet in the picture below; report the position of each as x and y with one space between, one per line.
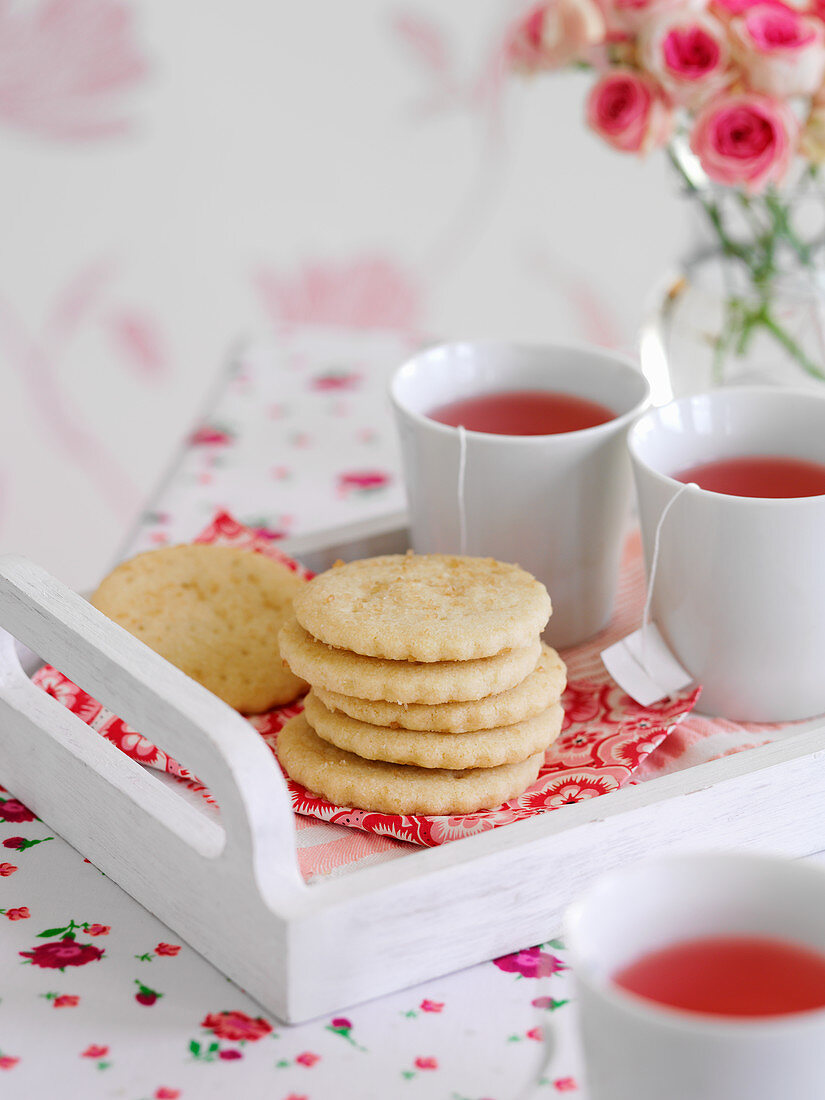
735 92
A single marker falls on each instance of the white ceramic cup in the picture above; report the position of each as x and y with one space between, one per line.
636 1049
739 592
555 504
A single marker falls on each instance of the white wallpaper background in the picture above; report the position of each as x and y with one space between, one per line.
179 175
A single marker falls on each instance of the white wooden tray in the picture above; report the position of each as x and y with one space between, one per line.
306 950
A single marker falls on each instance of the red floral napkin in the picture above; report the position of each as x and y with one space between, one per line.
605 736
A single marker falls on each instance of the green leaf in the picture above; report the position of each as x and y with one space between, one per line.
52 932
194 1047
213 1047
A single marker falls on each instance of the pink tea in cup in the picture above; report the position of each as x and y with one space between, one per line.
758 476
730 976
523 412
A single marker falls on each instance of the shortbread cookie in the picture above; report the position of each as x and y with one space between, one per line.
215 613
347 780
424 607
477 749
402 681
539 690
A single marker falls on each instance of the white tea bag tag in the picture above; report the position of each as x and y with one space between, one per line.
643 666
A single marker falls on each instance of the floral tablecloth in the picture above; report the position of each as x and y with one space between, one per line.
98 999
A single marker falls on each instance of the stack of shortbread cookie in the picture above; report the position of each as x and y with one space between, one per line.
431 690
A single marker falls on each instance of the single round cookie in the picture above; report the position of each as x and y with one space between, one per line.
424 607
476 749
215 613
347 780
402 681
539 690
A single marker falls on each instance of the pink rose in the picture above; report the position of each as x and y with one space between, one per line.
18 914
167 949
66 1000
628 110
555 33
426 1063
99 929
95 1051
688 54
746 140
236 1026
431 1006
7 869
532 962
14 810
7 1061
308 1059
65 952
781 52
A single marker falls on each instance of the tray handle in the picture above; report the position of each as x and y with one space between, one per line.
186 720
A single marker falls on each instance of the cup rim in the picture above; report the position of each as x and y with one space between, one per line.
617 422
723 393
667 1016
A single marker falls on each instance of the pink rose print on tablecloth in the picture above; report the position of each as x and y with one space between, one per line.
362 482
13 810
166 1094
167 949
236 1026
66 1000
66 952
21 913
366 293
95 1051
20 844
98 929
7 869
341 1025
532 962
565 1084
426 1063
65 64
308 1059
431 1006
335 380
210 435
145 995
7 1061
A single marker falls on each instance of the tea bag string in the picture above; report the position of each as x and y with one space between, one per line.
462 471
654 565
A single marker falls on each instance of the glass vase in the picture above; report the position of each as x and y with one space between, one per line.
747 304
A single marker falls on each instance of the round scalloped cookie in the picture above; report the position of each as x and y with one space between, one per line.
402 681
215 613
539 690
347 780
424 607
476 749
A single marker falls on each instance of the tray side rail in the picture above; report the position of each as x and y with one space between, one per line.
257 837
